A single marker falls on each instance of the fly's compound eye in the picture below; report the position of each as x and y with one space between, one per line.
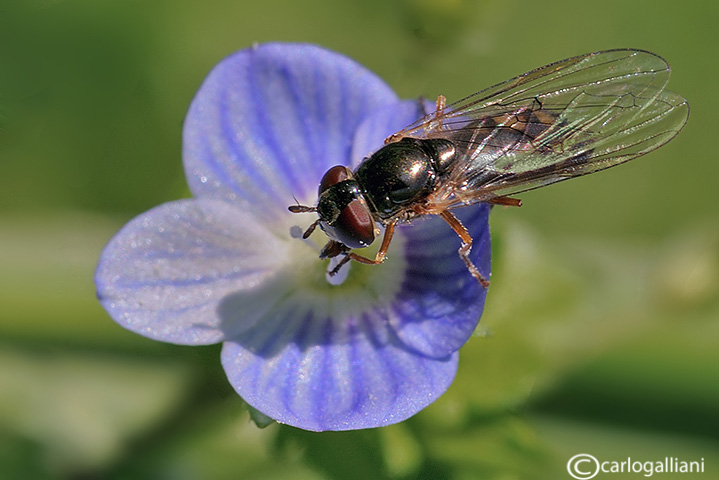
334 175
343 210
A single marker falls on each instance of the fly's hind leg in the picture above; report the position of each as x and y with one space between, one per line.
466 245
431 120
438 109
436 122
441 103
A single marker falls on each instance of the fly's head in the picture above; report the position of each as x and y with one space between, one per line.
343 211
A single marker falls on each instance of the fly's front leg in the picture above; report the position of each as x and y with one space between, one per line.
466 245
381 253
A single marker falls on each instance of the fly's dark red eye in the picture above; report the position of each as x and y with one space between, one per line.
343 210
354 226
334 175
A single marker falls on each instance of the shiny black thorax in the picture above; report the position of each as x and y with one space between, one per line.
402 173
384 187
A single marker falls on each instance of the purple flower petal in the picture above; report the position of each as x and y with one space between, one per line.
332 373
269 121
440 302
165 274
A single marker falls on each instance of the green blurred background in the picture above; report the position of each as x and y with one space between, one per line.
600 333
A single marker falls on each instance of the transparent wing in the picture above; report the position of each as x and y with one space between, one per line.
567 119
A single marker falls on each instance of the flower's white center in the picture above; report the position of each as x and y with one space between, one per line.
356 287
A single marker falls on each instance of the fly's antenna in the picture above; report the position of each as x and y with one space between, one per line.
300 208
305 209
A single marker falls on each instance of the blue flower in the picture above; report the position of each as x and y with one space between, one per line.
227 266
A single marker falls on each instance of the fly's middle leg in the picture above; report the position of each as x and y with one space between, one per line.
466 247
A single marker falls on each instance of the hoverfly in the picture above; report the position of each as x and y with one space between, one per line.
560 121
